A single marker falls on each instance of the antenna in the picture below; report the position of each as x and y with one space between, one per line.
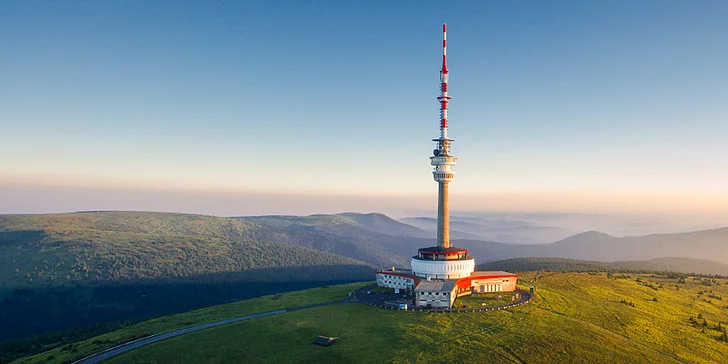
443 98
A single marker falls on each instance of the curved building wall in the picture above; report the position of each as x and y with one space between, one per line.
443 269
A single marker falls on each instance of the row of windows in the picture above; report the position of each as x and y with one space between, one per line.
430 293
442 256
398 278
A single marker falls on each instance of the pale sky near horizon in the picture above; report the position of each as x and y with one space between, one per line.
559 106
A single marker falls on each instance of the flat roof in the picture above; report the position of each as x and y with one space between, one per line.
436 286
441 250
496 273
397 270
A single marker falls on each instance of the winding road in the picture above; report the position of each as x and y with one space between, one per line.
359 296
123 348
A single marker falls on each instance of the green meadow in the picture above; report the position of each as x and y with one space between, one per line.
574 318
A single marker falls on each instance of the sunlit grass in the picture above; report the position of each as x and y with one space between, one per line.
196 317
574 318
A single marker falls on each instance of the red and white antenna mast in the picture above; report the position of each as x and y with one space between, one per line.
441 161
444 98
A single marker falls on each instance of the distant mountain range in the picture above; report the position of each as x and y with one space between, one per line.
502 230
111 246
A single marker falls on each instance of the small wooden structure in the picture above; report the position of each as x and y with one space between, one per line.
324 341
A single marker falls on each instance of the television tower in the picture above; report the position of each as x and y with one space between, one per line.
441 160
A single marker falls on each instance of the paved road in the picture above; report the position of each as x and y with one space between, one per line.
123 348
371 299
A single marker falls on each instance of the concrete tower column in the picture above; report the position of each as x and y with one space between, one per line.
443 215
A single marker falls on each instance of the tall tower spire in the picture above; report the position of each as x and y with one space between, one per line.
444 98
441 160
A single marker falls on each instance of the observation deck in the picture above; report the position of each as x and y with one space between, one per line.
442 263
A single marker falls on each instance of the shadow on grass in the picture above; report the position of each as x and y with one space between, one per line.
34 318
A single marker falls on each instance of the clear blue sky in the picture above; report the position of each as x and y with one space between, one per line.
556 105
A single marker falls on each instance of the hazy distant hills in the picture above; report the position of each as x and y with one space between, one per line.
684 265
502 230
706 244
102 246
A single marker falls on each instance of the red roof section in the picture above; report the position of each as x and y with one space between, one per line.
467 282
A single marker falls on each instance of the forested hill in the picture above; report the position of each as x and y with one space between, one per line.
159 223
126 246
681 265
372 238
69 271
344 223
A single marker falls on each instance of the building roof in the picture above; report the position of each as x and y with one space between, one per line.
436 286
441 250
464 283
407 273
324 341
397 270
493 273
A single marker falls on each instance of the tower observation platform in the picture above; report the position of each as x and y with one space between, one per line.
442 263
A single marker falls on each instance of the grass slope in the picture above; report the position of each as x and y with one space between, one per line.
575 318
68 276
168 323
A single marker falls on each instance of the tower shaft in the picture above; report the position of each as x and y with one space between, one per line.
443 215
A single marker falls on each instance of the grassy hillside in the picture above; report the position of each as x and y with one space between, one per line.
372 238
104 247
65 269
168 323
62 271
681 265
575 318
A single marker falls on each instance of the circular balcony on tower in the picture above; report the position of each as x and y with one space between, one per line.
442 263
